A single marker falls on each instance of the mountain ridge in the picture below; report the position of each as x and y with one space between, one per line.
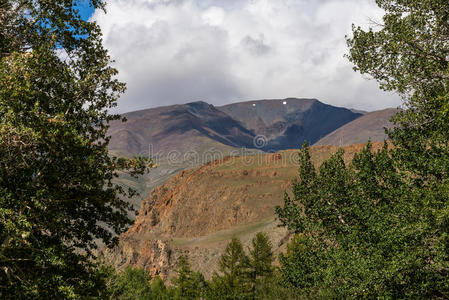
287 123
370 126
268 125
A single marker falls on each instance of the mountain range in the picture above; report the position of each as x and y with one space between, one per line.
180 137
369 126
268 125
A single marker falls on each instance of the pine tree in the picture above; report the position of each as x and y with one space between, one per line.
234 268
187 284
260 262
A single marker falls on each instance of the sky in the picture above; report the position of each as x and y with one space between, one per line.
224 51
85 9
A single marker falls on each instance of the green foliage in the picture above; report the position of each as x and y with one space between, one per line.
234 265
159 290
378 228
260 262
409 54
366 231
187 284
135 283
131 283
243 276
57 196
217 289
274 288
299 263
408 51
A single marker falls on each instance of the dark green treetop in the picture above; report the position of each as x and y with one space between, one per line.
260 261
187 283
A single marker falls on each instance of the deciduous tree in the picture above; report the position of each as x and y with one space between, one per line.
378 227
57 195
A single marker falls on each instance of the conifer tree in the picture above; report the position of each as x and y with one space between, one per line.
260 262
234 268
187 284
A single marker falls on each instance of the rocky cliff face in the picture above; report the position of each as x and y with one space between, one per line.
198 211
188 135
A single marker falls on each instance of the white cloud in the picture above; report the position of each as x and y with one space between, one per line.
222 51
213 16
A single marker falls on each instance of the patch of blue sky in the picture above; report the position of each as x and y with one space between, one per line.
86 10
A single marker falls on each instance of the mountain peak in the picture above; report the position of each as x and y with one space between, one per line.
286 123
198 104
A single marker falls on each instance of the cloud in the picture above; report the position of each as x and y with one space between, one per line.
222 51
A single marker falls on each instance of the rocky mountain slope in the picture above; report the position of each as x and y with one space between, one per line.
198 211
288 122
180 128
369 126
282 124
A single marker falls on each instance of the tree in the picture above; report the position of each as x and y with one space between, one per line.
260 262
57 195
233 265
131 283
299 264
363 233
408 53
311 212
187 284
159 290
378 226
367 231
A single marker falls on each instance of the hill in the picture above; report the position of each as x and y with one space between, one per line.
198 211
369 126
